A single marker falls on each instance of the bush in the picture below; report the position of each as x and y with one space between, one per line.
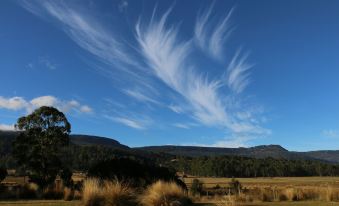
92 194
164 194
197 187
66 176
137 173
107 193
3 173
27 191
235 186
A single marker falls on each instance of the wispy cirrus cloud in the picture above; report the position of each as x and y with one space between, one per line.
211 37
176 108
140 96
185 125
164 61
129 122
83 30
19 103
238 75
168 57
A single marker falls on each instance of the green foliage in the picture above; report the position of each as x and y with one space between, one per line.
37 148
197 187
136 173
66 176
3 173
235 166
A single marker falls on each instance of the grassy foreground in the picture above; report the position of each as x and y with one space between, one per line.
41 203
306 203
78 203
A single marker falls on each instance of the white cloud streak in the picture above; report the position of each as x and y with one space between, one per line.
19 103
211 38
168 57
83 30
129 122
175 108
238 76
210 101
185 125
140 96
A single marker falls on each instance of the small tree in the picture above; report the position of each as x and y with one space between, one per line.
3 173
43 134
197 187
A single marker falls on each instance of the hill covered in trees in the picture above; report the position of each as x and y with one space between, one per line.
262 151
270 160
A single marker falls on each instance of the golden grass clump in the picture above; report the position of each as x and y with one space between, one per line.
117 194
92 193
106 193
164 194
227 200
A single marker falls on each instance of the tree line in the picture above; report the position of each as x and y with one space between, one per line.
236 166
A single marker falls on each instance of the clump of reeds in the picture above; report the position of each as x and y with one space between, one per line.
164 194
107 193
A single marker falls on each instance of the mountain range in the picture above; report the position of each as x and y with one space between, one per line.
262 151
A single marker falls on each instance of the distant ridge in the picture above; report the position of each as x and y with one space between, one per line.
88 140
261 151
6 138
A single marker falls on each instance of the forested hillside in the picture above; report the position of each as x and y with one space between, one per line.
264 161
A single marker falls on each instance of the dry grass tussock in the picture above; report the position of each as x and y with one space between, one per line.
226 200
301 193
279 194
107 193
164 194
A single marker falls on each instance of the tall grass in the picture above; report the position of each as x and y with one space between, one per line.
164 194
107 193
300 193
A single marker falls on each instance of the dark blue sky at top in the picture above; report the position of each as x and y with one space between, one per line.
292 45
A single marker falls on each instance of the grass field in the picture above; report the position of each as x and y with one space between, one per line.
41 203
77 203
275 181
306 203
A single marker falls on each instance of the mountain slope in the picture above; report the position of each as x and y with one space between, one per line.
275 151
263 151
6 138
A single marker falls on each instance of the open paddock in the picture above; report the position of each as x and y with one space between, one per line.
267 182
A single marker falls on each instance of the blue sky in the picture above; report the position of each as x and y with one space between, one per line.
210 73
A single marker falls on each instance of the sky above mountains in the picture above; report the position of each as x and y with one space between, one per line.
190 72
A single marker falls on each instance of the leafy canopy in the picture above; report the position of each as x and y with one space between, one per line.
43 134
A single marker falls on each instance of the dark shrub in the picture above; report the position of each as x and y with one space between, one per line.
197 187
27 192
3 173
66 176
136 173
